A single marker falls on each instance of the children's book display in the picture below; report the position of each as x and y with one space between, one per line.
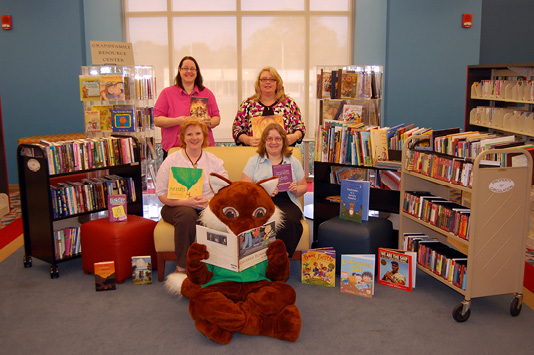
354 200
105 276
358 274
319 267
185 182
117 208
285 176
396 268
141 270
236 253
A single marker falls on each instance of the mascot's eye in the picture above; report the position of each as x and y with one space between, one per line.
230 212
259 212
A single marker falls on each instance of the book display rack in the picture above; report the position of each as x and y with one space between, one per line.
493 248
63 183
120 100
349 100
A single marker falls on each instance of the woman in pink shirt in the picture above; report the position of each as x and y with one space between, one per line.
174 104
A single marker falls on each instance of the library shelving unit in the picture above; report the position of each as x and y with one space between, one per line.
37 205
139 83
498 225
368 96
501 98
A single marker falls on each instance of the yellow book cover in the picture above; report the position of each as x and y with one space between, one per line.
319 267
105 117
111 87
185 182
89 87
260 122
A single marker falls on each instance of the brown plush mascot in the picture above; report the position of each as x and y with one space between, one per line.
255 301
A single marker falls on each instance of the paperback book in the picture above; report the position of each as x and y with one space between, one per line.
199 107
141 270
117 208
354 204
260 122
92 121
89 88
111 87
319 267
105 276
236 253
285 177
358 274
396 268
185 182
352 113
105 117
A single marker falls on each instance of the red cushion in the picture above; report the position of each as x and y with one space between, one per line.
102 240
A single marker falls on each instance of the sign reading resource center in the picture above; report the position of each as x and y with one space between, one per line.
106 52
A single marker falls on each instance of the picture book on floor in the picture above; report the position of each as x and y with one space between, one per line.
199 107
105 276
260 122
117 208
236 253
285 177
185 182
354 204
141 270
358 274
319 267
396 268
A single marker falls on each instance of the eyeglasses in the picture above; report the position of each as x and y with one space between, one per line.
188 69
267 80
276 139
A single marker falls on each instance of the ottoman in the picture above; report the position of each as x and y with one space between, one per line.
348 237
102 240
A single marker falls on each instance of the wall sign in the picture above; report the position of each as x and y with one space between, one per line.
106 52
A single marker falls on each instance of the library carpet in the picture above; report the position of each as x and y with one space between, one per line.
11 237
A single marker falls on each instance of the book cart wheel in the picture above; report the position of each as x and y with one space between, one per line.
515 306
54 271
27 261
462 311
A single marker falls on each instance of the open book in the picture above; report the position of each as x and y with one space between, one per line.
236 253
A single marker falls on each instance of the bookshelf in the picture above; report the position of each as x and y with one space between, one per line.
39 178
135 99
494 250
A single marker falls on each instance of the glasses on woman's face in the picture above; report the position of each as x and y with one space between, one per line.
267 80
274 139
188 69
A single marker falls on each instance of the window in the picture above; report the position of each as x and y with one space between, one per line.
233 39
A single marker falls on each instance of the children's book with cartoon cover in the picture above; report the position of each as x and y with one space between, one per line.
319 267
185 182
236 253
358 274
354 200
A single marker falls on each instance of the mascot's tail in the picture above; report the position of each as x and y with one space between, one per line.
173 283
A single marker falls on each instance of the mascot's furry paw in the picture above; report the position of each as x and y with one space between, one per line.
173 283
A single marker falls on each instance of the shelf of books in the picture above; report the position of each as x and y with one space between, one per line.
467 216
63 183
120 100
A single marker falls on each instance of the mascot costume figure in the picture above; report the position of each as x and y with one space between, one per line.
255 301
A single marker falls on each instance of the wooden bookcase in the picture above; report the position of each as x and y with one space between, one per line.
38 219
498 226
323 209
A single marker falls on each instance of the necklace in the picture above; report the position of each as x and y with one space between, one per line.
195 163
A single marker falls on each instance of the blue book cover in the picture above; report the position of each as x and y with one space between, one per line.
354 200
123 119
